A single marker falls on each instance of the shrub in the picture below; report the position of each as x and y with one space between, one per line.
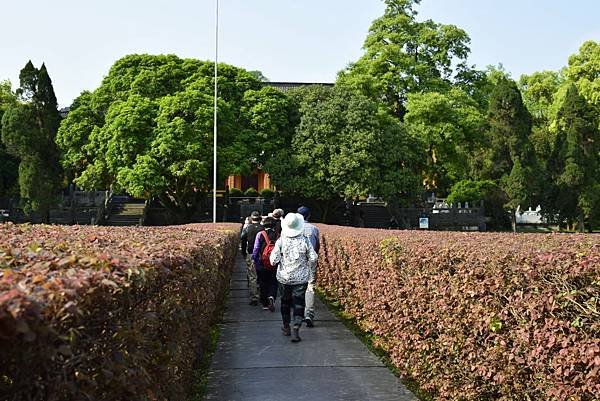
251 192
108 313
475 316
470 191
267 193
488 191
235 192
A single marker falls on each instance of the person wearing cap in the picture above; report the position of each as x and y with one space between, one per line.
267 279
278 216
313 235
294 254
248 238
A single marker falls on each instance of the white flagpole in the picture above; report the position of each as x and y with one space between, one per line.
215 118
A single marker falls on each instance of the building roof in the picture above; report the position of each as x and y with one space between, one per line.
64 111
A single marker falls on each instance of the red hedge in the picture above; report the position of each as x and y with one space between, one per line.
475 316
106 313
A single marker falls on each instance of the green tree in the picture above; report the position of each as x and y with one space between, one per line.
8 164
584 71
507 142
575 160
403 55
517 190
269 116
538 90
28 130
345 145
148 129
125 134
451 126
259 75
508 136
74 134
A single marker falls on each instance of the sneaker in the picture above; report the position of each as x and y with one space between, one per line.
286 331
253 303
295 337
309 322
271 305
265 308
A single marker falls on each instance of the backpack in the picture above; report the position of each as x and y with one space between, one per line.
266 253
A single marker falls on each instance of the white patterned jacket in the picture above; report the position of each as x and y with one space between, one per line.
295 256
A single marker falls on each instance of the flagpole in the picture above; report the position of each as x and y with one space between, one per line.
215 117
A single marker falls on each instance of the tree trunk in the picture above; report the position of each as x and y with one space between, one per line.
581 223
513 220
181 214
326 210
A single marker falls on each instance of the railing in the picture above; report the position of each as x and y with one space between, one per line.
445 218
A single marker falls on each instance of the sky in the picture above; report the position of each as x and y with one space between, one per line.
288 40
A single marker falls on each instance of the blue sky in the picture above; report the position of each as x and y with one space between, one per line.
288 40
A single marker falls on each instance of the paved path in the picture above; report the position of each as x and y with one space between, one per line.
255 362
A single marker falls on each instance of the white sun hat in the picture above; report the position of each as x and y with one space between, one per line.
292 225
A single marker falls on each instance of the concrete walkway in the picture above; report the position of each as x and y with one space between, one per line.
255 362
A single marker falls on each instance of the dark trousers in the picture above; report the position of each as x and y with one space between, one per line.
292 297
267 281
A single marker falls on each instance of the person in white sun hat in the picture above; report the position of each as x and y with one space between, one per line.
294 254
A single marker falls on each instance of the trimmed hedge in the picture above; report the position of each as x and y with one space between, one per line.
475 316
107 313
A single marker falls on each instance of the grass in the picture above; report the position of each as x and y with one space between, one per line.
201 371
367 338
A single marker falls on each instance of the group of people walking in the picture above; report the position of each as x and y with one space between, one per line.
281 254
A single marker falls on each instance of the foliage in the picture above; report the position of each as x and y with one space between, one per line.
251 192
148 129
259 75
584 71
99 313
451 126
337 148
235 192
403 55
507 156
81 121
508 135
28 131
575 159
8 163
538 90
474 316
266 193
470 191
269 117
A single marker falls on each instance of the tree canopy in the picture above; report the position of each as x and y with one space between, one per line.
8 164
347 145
403 55
575 162
148 128
29 128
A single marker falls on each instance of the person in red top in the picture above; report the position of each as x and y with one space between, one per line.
267 279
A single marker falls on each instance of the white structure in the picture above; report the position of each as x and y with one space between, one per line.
530 216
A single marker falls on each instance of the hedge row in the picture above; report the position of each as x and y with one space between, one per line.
106 313
475 316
